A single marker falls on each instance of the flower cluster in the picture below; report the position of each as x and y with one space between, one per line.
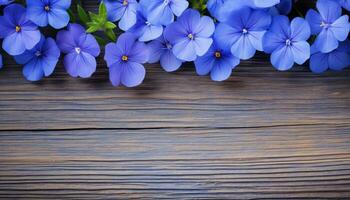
214 34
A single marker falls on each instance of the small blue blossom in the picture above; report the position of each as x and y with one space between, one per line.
39 61
144 29
53 12
243 31
190 34
123 10
162 50
80 49
161 12
18 31
329 26
218 61
287 42
337 59
124 59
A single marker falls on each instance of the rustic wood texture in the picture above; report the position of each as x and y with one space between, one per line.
260 135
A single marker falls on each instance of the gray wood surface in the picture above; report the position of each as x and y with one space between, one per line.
260 135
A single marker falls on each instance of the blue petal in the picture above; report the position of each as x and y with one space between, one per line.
205 27
115 73
272 41
319 62
1 63
325 41
156 49
179 6
256 39
201 45
341 28
225 34
33 71
150 33
37 14
58 18
223 69
133 74
282 59
315 20
205 64
339 60
88 44
301 52
14 44
185 50
128 19
169 62
30 38
329 10
80 65
300 29
243 48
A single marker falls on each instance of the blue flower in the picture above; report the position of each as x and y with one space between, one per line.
243 31
53 12
162 50
5 2
39 61
124 59
215 8
190 34
81 49
330 26
18 31
287 42
123 10
144 29
218 61
161 12
337 59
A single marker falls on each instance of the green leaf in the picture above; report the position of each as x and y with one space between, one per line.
71 16
102 11
111 35
100 40
110 25
92 29
83 16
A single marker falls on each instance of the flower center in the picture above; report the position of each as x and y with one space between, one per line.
148 23
288 42
125 58
217 54
191 36
18 29
325 24
78 50
168 46
47 8
38 53
166 2
125 2
244 31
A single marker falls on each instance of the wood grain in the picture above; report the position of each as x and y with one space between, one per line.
260 135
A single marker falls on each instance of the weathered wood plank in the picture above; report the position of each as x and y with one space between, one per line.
261 134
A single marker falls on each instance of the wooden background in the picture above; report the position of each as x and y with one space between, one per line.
261 134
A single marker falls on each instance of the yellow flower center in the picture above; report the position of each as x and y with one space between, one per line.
18 29
217 54
125 2
47 8
125 58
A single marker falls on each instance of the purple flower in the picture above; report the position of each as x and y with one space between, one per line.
81 49
190 34
123 10
328 24
53 12
243 31
18 32
337 59
161 12
124 59
39 61
144 29
218 61
162 50
287 42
